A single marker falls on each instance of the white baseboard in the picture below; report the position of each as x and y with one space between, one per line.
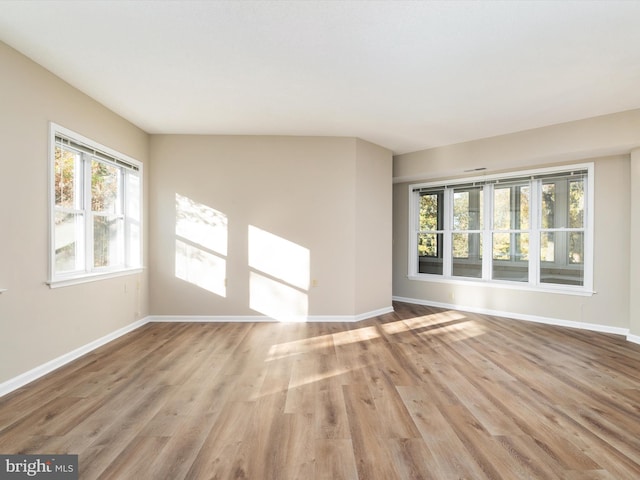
374 313
265 318
633 338
520 316
209 318
35 373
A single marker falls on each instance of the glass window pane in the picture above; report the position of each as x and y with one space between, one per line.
133 210
523 193
429 244
511 207
461 211
108 241
562 275
560 255
511 246
105 188
548 205
510 256
67 178
68 235
576 203
460 245
576 248
467 255
431 211
467 209
134 238
502 246
502 208
547 246
430 253
133 196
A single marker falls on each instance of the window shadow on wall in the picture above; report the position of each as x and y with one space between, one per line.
279 272
201 245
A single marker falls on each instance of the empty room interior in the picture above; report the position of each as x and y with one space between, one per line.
321 240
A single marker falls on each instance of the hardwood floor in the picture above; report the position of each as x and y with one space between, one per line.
421 393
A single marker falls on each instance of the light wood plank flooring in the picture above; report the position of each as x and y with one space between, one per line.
421 393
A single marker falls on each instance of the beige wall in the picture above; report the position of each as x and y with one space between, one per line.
634 251
38 324
576 142
373 227
298 196
613 134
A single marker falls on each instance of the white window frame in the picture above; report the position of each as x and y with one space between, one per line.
535 228
133 253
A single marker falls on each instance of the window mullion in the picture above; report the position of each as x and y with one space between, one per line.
414 228
487 235
562 210
121 216
126 227
535 222
447 253
588 230
88 224
514 223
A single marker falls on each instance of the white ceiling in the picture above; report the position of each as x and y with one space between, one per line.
407 75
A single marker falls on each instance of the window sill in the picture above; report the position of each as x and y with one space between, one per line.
92 278
558 289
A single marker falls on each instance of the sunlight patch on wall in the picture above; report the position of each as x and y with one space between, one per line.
279 276
201 225
277 300
201 245
279 258
201 268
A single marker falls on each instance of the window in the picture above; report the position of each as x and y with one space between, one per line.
529 229
430 236
510 232
96 198
466 232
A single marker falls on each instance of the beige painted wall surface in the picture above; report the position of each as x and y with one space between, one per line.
609 306
634 253
606 135
244 226
39 324
373 227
